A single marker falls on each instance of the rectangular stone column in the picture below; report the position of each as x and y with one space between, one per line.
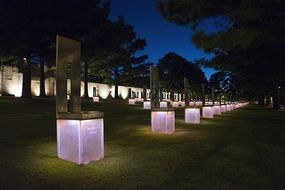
203 95
186 91
154 87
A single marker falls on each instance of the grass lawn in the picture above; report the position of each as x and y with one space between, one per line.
242 149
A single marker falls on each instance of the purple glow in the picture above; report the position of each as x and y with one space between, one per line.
192 115
228 107
80 141
163 122
223 108
146 105
208 112
217 110
163 104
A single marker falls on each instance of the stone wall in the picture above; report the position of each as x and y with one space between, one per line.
11 82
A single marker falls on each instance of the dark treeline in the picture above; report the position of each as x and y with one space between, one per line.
172 70
250 49
109 48
28 30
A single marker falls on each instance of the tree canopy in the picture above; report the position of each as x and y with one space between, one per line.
173 68
120 63
28 29
252 46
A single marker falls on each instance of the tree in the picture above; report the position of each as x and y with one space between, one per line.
226 85
119 60
251 46
29 26
172 70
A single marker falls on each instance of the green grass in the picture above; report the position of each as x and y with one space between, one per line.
243 149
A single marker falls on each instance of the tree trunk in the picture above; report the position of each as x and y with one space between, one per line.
86 80
276 104
203 95
144 93
26 89
227 98
130 93
238 96
276 100
172 95
213 95
260 101
116 84
116 89
42 78
267 100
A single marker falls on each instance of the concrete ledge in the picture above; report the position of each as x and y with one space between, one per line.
84 115
162 109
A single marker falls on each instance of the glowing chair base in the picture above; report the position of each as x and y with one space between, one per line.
192 115
163 121
208 112
80 140
146 105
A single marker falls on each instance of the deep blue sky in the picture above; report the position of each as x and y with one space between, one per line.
162 37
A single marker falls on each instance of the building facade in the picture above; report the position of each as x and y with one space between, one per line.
11 82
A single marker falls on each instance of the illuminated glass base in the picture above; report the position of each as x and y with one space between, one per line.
80 141
192 115
223 108
229 107
163 104
217 110
208 112
132 101
175 104
163 121
146 105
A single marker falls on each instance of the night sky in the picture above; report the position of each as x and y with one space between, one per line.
162 37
